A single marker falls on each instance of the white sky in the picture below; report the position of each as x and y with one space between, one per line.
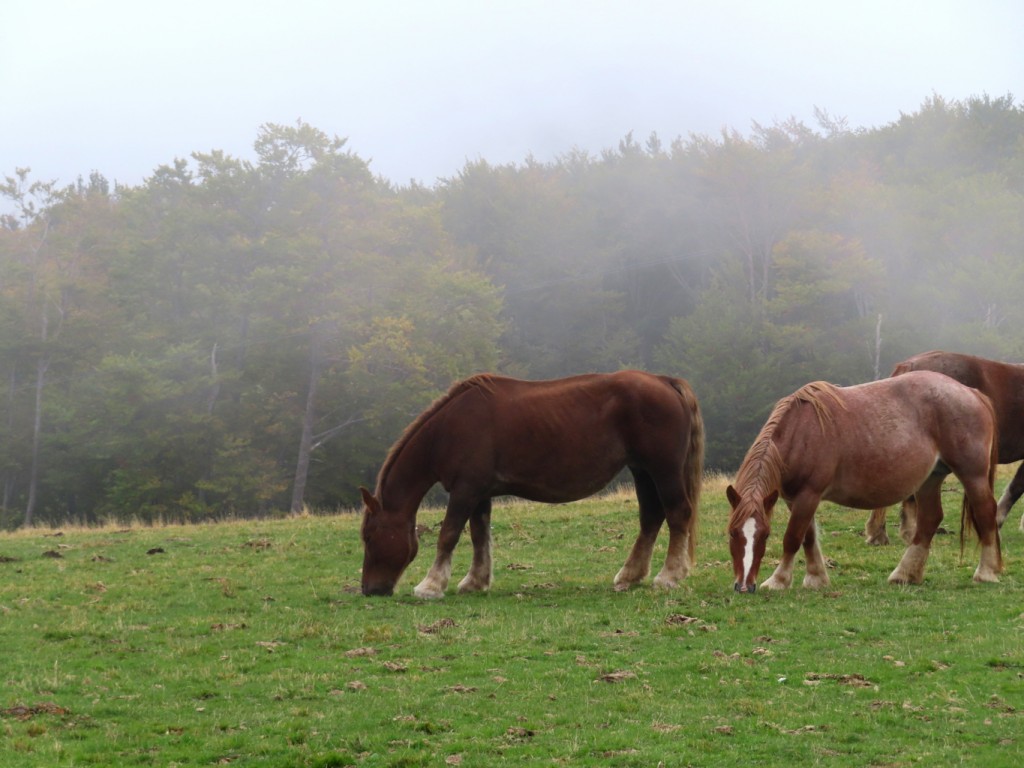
421 86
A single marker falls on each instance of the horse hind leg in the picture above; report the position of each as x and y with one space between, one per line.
874 530
928 507
1011 493
980 503
681 518
677 560
652 515
908 519
481 571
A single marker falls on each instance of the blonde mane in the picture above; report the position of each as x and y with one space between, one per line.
483 381
762 468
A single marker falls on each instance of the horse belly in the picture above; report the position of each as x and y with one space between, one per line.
567 445
548 489
876 481
558 476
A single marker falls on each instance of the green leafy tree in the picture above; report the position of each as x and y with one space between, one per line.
720 348
824 306
55 290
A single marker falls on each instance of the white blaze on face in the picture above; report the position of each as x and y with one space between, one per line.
748 552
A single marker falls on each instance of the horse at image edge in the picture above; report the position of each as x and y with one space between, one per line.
1004 385
865 447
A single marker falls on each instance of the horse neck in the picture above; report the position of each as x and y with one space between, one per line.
762 471
806 437
757 489
409 475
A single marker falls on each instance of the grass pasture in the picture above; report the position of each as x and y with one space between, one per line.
249 644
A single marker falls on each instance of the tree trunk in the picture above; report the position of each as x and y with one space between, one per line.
878 348
306 441
37 428
8 472
211 401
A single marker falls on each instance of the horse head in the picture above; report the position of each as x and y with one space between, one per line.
749 526
389 545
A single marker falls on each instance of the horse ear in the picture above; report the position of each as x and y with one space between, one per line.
733 496
769 501
372 505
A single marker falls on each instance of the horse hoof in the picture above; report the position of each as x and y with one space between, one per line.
473 585
426 593
904 581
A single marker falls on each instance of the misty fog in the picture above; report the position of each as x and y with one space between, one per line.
243 337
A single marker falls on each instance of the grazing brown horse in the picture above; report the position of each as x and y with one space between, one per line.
1004 385
549 441
864 447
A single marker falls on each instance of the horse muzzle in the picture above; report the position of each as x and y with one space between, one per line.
749 589
378 590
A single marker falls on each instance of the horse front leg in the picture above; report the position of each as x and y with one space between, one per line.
481 571
928 508
801 518
1011 493
436 581
652 515
817 570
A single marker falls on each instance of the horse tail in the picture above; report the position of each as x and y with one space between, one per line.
966 509
693 467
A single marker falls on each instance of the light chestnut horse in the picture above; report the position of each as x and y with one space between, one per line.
1004 385
864 447
548 441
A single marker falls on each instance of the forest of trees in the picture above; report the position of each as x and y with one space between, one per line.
241 338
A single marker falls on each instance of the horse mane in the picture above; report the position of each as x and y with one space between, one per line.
483 381
820 395
763 466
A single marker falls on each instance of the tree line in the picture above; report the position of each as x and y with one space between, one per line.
247 337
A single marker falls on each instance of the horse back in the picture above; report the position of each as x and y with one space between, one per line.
623 408
959 419
882 439
935 394
1003 383
561 439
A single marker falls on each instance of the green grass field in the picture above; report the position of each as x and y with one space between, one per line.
249 644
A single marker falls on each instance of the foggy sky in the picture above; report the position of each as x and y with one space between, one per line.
421 86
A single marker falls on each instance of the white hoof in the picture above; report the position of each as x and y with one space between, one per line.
816 581
773 582
627 579
663 581
428 591
473 585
